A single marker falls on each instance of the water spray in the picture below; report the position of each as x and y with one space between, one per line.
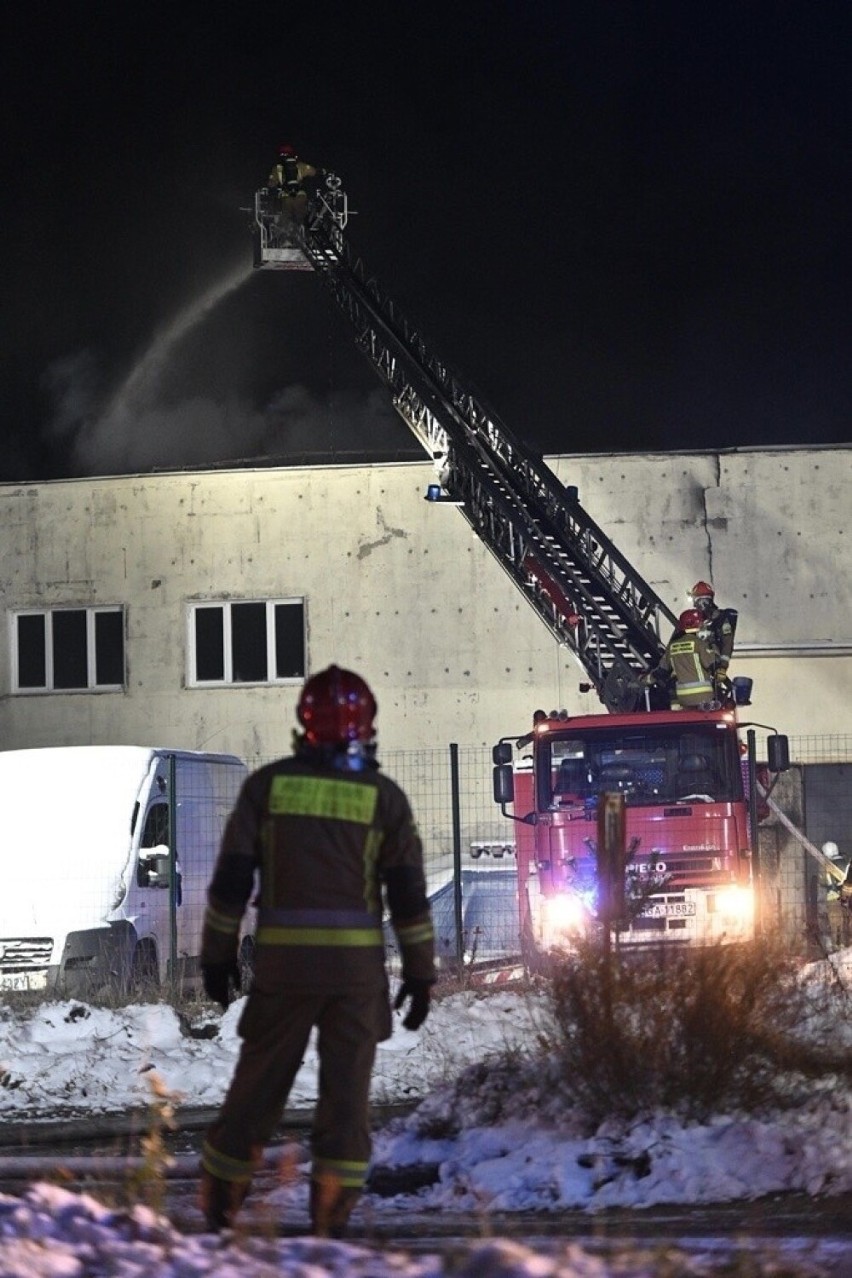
141 385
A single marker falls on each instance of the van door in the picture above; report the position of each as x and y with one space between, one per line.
153 879
197 846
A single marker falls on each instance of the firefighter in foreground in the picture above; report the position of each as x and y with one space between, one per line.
326 833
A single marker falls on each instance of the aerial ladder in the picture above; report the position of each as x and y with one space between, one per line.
583 588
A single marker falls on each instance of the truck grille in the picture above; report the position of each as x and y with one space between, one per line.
691 865
22 953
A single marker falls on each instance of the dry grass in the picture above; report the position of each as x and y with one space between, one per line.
697 1033
691 1030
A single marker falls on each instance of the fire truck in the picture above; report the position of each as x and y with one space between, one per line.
686 793
689 803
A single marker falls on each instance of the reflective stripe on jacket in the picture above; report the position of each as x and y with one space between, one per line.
321 844
690 659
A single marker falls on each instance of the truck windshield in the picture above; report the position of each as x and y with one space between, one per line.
649 766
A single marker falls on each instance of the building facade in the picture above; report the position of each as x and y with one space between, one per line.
184 609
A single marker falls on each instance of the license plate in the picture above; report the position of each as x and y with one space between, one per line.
670 910
23 980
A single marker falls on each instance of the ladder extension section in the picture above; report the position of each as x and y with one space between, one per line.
586 592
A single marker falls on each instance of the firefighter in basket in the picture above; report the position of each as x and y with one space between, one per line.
689 665
327 836
720 625
285 182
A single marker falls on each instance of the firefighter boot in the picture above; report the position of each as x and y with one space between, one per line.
331 1206
220 1201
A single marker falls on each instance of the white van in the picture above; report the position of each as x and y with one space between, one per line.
88 901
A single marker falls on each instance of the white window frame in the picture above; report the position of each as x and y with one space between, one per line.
91 654
228 681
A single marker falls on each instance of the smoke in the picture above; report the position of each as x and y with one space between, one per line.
115 435
73 386
139 427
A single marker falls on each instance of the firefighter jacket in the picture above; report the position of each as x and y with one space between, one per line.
691 657
846 889
721 623
289 174
327 850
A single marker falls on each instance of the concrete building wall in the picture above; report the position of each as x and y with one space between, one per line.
402 590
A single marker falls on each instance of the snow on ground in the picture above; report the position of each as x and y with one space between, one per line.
66 1058
52 1233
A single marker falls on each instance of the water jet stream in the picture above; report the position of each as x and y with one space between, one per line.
140 386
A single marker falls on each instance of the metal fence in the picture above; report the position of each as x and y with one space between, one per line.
469 856
470 862
468 851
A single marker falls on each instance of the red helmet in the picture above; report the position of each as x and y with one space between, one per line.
286 150
336 707
702 590
689 620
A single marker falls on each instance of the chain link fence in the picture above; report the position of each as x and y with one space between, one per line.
469 850
469 853
470 864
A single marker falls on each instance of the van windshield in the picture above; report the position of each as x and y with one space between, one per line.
649 766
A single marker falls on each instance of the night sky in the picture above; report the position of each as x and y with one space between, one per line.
625 224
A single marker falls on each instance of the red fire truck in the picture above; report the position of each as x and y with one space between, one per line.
688 825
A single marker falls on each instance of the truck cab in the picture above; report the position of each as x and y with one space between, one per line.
688 864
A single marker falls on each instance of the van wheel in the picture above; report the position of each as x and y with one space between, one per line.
145 970
245 962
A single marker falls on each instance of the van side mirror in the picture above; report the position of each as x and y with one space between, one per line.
778 752
153 869
502 752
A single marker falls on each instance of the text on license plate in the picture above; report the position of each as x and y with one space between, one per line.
23 980
669 910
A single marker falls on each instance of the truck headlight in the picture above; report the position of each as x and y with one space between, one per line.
735 902
566 912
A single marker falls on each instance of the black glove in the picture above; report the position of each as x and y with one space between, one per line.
217 978
418 991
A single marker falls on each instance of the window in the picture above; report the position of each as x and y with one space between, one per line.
155 833
68 650
650 766
247 642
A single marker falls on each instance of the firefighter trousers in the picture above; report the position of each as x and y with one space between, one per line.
275 1028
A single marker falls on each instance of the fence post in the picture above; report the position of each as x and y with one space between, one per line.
457 886
754 831
173 871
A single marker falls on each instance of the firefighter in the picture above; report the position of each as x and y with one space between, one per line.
285 181
327 835
838 898
689 664
721 624
846 897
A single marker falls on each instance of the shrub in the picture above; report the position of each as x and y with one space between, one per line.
695 1031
